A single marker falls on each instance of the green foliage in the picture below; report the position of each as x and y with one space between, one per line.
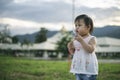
27 69
12 68
62 43
41 36
109 71
14 39
25 42
5 34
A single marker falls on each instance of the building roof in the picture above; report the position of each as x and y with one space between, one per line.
107 49
50 44
108 41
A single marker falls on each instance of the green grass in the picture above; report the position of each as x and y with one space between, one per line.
13 68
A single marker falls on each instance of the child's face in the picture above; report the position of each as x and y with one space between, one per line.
81 28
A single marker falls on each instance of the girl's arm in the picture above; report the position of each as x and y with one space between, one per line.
90 47
70 47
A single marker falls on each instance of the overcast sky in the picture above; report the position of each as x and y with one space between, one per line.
27 16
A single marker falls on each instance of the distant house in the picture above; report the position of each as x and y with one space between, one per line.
106 47
44 49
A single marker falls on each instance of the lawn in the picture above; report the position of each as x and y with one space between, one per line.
15 68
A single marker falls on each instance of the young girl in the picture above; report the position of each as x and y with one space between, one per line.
84 63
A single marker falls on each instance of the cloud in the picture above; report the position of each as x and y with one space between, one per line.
22 27
5 2
97 3
54 13
45 12
42 11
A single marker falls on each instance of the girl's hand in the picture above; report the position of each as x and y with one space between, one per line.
78 38
70 47
90 46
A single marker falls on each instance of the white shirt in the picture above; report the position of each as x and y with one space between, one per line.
84 62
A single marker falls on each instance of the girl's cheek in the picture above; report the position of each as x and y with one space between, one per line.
79 29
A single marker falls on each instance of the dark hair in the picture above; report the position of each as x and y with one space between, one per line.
87 20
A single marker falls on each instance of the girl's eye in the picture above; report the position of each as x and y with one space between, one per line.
78 25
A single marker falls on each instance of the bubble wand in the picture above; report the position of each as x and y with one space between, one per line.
73 32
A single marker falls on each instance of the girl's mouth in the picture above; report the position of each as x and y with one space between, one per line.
76 31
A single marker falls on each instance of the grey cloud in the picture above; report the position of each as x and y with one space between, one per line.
45 12
52 12
4 4
100 13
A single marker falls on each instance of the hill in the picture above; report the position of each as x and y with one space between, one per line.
31 37
107 31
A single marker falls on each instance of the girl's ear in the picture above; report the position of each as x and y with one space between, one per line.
89 27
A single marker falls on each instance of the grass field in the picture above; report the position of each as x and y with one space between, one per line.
14 68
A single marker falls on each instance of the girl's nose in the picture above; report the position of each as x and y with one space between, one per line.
76 29
76 26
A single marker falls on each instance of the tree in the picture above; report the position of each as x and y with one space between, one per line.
5 34
14 39
27 43
62 44
41 36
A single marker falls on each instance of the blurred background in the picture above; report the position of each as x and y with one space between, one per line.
40 30
42 24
